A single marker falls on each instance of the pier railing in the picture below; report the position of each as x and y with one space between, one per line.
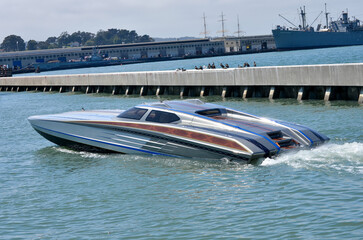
328 82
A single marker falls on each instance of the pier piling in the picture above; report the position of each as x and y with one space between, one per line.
327 94
202 92
245 91
360 99
300 94
224 92
272 92
157 91
181 92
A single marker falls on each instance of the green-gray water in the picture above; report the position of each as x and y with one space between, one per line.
49 192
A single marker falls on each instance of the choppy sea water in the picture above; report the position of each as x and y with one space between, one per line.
49 192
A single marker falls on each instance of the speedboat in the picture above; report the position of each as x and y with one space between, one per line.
183 128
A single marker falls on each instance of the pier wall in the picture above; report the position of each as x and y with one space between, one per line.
329 82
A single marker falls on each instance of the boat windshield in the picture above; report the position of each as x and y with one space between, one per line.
133 113
211 112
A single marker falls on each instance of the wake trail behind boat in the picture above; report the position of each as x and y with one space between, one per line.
343 158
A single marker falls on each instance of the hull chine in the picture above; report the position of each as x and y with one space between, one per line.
73 144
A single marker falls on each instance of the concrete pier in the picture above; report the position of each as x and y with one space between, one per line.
328 82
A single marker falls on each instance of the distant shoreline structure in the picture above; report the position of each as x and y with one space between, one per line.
55 59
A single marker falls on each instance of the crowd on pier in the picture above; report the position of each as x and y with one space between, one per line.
5 71
224 66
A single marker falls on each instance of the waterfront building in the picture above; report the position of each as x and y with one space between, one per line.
249 43
151 50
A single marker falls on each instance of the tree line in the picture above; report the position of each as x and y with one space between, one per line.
111 36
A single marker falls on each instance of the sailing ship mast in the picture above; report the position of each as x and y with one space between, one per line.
238 28
205 27
222 20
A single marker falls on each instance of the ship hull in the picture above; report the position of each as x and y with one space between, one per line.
290 40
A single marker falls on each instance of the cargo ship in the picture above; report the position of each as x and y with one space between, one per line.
342 32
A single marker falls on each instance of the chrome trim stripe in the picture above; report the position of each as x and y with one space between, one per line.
135 143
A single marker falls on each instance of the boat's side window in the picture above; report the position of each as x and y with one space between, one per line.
162 117
133 113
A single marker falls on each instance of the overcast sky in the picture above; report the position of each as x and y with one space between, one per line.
40 19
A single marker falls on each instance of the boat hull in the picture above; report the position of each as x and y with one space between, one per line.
190 129
108 137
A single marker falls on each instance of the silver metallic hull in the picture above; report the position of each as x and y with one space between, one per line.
234 136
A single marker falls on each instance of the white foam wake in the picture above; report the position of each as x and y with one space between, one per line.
80 153
347 157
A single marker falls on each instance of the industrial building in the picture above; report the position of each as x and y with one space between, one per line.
151 50
249 44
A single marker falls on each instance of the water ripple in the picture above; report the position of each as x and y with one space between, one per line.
49 192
